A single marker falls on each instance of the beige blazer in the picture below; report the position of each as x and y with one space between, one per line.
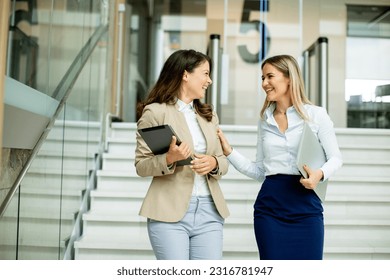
170 191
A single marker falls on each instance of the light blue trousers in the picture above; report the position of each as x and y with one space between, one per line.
198 236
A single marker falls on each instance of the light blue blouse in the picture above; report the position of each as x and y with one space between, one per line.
277 152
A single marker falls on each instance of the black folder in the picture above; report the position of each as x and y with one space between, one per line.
158 138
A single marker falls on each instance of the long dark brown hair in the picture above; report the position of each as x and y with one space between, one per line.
167 87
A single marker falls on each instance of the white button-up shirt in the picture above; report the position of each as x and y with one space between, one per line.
199 141
277 152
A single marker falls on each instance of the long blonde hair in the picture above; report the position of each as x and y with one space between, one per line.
290 69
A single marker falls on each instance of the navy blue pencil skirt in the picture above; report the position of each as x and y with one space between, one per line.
288 220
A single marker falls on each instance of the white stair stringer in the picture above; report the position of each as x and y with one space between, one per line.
357 209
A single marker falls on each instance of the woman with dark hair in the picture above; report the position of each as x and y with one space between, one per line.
288 215
184 205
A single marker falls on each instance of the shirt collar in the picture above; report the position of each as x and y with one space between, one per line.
269 114
270 110
183 106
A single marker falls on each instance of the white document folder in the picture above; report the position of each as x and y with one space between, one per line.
311 153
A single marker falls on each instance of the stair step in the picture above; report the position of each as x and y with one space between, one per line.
74 146
371 139
53 160
364 202
248 133
330 220
31 225
69 179
364 249
348 152
339 187
132 230
363 136
75 130
33 251
369 167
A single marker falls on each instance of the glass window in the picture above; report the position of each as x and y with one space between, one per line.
367 84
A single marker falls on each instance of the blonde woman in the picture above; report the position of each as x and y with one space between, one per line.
288 215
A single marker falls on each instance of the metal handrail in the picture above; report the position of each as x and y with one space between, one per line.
61 92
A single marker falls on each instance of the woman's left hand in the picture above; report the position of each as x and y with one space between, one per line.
203 164
314 177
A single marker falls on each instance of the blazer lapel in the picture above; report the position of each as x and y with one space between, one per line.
179 124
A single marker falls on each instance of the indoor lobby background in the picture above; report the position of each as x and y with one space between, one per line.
71 68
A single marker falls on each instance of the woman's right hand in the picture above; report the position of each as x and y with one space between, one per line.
177 152
227 149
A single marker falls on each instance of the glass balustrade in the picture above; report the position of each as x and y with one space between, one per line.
45 45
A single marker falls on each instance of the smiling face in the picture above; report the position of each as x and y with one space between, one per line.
275 84
196 83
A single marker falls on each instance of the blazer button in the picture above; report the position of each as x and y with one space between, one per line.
163 173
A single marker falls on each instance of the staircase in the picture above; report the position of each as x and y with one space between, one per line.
357 210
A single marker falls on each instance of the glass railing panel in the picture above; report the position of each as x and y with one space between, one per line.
40 201
51 191
83 114
8 231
